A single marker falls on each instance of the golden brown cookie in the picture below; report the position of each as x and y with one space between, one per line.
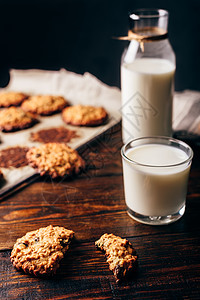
54 134
14 118
13 157
84 115
44 104
12 98
121 256
39 252
55 159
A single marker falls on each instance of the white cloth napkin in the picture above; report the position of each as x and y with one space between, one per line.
82 89
87 89
186 111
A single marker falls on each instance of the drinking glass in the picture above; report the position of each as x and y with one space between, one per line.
155 173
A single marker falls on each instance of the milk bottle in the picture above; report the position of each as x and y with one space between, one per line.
147 77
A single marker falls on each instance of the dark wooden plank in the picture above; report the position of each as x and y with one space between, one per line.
167 270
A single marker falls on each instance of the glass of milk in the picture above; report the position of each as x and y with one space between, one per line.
155 172
147 76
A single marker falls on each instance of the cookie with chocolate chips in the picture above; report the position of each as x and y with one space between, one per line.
121 256
39 252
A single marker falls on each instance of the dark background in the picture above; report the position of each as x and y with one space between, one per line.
77 35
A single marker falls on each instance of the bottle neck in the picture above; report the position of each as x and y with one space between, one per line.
142 19
148 26
148 36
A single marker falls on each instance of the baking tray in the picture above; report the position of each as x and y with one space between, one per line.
16 176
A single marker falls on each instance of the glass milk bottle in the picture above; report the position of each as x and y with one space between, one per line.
147 76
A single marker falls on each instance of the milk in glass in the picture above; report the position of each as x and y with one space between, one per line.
158 190
155 173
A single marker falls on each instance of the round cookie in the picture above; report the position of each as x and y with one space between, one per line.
39 252
14 118
44 104
55 159
8 99
84 115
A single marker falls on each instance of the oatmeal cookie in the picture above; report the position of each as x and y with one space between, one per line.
121 256
14 118
55 134
13 157
55 159
44 104
11 98
84 115
39 252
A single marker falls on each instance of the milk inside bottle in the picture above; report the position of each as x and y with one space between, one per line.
147 94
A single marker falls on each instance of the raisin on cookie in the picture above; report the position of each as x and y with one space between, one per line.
44 104
84 115
121 256
55 159
39 252
14 118
12 98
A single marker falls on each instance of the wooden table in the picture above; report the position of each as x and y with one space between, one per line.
92 204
